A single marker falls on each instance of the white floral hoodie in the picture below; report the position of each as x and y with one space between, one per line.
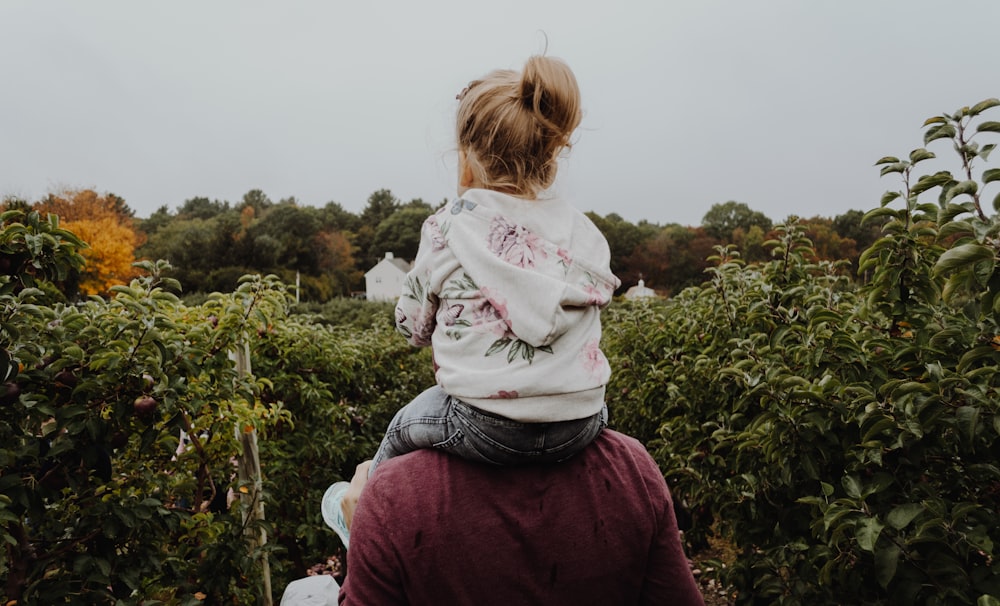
508 293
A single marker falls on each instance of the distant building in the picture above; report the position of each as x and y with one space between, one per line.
639 291
384 282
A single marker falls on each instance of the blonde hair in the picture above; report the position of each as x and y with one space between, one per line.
513 125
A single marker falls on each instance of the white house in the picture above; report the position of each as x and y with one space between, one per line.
640 291
384 282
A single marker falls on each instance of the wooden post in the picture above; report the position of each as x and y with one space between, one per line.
248 472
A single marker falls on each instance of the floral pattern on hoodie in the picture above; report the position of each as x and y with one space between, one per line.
509 292
514 243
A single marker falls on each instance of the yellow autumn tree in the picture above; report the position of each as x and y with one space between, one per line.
110 254
106 224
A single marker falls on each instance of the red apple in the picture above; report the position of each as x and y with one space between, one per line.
145 405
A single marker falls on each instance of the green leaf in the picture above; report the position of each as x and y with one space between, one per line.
886 560
907 388
497 346
887 160
927 182
968 419
888 197
991 175
901 515
881 423
852 485
973 355
988 127
947 215
964 187
941 131
879 212
984 105
988 600
920 154
986 150
867 533
897 167
961 256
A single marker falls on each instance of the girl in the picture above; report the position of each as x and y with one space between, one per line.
507 288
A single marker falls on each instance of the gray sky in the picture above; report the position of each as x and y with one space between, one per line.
782 104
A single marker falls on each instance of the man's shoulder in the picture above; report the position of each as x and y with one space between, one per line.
609 445
617 439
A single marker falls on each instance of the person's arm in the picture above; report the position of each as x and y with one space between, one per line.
669 579
372 566
416 309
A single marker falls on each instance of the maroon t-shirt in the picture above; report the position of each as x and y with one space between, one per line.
598 529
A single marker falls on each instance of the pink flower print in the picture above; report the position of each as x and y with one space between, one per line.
503 395
423 328
491 313
595 296
514 243
565 257
593 358
437 237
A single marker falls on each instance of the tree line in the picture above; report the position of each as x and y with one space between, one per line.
211 243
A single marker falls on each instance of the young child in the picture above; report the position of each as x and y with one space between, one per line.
507 289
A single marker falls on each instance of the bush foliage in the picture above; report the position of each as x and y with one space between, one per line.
844 439
841 436
101 502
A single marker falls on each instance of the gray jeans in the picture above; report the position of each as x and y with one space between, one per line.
436 420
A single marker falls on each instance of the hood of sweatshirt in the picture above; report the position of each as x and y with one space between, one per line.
539 263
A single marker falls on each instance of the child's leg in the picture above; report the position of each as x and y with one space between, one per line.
423 423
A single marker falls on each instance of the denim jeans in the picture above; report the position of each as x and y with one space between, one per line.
436 420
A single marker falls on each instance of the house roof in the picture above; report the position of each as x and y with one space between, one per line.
391 261
640 290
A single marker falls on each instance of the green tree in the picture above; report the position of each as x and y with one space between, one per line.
195 248
201 208
750 243
721 219
333 216
160 217
257 200
381 204
399 233
293 229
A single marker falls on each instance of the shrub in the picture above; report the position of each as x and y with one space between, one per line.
843 439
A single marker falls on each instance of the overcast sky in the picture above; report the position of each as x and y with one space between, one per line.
781 104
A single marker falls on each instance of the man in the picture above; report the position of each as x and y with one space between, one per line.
430 528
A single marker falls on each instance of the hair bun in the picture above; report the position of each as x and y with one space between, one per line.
550 92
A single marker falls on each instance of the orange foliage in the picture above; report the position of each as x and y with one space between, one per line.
84 204
105 223
335 251
110 255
